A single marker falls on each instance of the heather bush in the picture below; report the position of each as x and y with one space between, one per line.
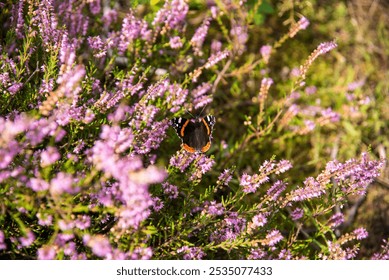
91 168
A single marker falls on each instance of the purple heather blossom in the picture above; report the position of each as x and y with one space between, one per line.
224 177
229 229
191 253
200 97
172 14
335 220
82 222
240 36
62 183
266 51
382 255
310 90
285 255
355 85
3 246
14 88
259 220
99 245
133 28
46 253
157 204
170 190
272 238
297 214
44 220
175 42
312 189
182 160
17 18
216 46
257 254
27 240
276 189
215 58
330 115
37 184
250 183
49 156
47 23
95 6
360 233
98 46
141 253
300 25
109 16
326 47
213 208
199 37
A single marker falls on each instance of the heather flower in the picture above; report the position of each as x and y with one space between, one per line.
82 222
216 46
229 229
132 28
15 88
224 177
141 253
257 254
49 156
310 90
202 166
335 220
213 208
382 255
300 25
215 58
239 36
98 46
272 238
62 183
297 214
276 189
259 220
46 253
264 90
2 241
172 14
175 42
312 188
200 97
285 255
99 244
360 233
191 253
199 37
44 219
157 204
94 6
26 241
182 160
266 51
37 184
320 50
170 190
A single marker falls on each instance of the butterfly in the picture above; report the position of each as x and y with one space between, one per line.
195 134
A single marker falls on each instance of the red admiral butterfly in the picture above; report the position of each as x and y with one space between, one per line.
195 134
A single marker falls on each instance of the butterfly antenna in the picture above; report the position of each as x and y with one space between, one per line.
202 110
189 113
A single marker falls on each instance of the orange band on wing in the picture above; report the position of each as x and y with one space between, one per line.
207 126
188 149
206 147
183 128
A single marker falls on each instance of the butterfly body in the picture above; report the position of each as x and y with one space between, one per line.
195 134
